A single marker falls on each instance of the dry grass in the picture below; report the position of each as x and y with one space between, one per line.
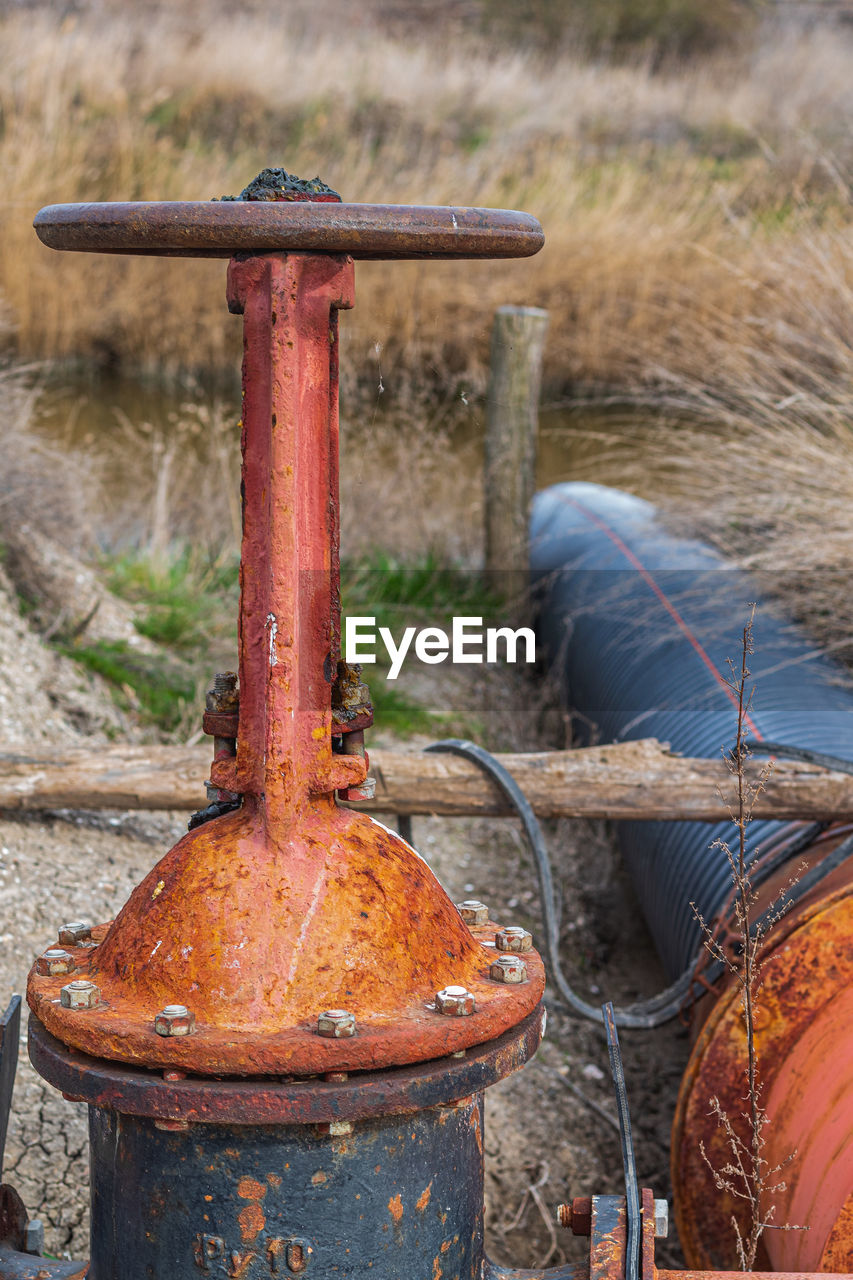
667 199
698 249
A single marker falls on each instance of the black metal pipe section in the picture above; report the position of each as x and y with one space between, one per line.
391 1197
375 1173
639 625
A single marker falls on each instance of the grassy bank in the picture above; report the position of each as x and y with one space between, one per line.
695 215
698 258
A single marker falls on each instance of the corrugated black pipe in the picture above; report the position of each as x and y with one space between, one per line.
639 626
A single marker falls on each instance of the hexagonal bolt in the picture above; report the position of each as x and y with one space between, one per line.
508 969
55 962
80 994
661 1219
336 1024
71 935
513 938
473 912
174 1020
456 1001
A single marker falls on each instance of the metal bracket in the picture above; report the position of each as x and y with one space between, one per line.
10 1032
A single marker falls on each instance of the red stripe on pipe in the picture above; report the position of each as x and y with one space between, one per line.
667 604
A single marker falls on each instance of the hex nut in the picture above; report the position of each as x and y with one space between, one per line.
473 912
71 935
80 994
456 1001
513 938
174 1020
508 969
336 1024
55 962
577 1216
365 790
661 1219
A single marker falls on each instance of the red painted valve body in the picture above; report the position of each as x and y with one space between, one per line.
260 920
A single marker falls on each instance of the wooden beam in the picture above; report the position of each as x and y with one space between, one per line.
642 780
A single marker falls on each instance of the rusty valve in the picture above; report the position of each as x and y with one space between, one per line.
54 962
336 1024
456 1001
473 912
513 938
508 969
80 994
174 1020
280 905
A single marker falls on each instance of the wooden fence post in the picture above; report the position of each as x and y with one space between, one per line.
512 415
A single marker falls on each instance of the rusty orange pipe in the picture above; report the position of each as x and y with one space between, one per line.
804 1038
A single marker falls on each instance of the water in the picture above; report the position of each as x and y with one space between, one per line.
167 460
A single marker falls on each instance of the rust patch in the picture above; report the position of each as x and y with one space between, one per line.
252 1222
249 1189
478 1129
273 1179
395 1207
436 1268
423 1198
319 1177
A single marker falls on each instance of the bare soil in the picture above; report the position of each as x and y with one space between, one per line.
550 1129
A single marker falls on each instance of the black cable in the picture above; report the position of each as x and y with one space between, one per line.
650 1013
629 1163
786 752
667 1004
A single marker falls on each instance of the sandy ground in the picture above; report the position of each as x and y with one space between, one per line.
546 1137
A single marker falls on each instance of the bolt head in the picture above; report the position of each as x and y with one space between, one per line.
174 1020
54 962
336 1024
508 969
513 938
473 912
71 935
456 1001
80 994
661 1219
